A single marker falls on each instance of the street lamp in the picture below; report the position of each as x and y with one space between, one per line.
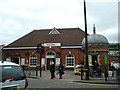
86 44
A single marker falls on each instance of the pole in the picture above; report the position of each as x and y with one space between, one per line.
81 73
106 74
36 71
86 44
40 64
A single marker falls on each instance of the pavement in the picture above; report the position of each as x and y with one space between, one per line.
70 81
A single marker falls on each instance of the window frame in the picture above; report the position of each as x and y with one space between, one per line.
67 57
34 60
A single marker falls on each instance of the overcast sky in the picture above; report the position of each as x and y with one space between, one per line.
19 17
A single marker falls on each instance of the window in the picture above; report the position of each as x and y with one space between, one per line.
54 31
33 60
70 60
50 53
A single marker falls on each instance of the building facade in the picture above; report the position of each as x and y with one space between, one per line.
65 45
61 45
97 49
114 52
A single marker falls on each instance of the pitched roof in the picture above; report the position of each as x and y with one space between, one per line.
67 37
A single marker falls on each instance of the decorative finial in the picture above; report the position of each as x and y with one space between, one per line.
94 30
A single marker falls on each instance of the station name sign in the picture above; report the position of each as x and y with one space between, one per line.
52 44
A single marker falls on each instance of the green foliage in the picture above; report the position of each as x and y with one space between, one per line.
27 53
58 52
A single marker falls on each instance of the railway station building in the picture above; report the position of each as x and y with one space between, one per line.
65 45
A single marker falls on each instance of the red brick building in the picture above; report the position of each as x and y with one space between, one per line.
64 45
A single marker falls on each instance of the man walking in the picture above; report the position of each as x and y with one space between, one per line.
52 70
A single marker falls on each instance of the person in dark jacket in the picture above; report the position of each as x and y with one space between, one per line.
112 68
52 70
96 69
61 70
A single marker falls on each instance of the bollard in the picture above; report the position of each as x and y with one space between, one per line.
36 71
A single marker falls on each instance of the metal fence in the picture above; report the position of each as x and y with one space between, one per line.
31 71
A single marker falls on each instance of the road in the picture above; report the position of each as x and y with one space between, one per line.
67 82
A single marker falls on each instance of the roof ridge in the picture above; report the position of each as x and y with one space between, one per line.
58 28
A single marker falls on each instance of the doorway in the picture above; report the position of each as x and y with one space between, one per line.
49 62
50 56
94 58
15 60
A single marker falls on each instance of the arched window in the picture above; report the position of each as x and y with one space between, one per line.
50 53
33 60
70 60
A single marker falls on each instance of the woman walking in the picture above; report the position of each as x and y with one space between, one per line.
61 70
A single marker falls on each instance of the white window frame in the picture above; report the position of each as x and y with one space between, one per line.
70 58
50 54
32 58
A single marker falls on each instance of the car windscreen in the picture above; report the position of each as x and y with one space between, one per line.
12 72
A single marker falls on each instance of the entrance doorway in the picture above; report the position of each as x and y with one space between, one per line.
94 58
50 56
15 60
49 62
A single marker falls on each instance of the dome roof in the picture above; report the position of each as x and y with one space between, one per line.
95 39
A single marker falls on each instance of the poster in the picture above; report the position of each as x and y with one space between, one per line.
22 61
8 59
57 61
43 61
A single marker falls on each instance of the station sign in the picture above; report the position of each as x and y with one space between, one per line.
51 44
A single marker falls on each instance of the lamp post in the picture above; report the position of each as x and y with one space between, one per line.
86 44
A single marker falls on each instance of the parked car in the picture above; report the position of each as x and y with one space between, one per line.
77 69
11 74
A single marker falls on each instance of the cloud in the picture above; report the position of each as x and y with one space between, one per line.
19 17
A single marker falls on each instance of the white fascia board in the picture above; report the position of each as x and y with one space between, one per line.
7 48
71 47
19 48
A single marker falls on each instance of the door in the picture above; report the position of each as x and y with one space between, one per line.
94 58
15 60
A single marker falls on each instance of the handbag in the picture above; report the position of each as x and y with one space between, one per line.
63 72
57 73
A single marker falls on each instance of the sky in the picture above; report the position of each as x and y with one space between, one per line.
20 17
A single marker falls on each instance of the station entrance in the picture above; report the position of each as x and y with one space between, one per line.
50 56
94 58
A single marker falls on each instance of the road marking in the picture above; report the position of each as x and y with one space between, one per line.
95 84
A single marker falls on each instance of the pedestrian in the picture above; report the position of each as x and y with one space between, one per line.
96 68
99 72
61 70
82 63
91 71
112 68
52 70
96 65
